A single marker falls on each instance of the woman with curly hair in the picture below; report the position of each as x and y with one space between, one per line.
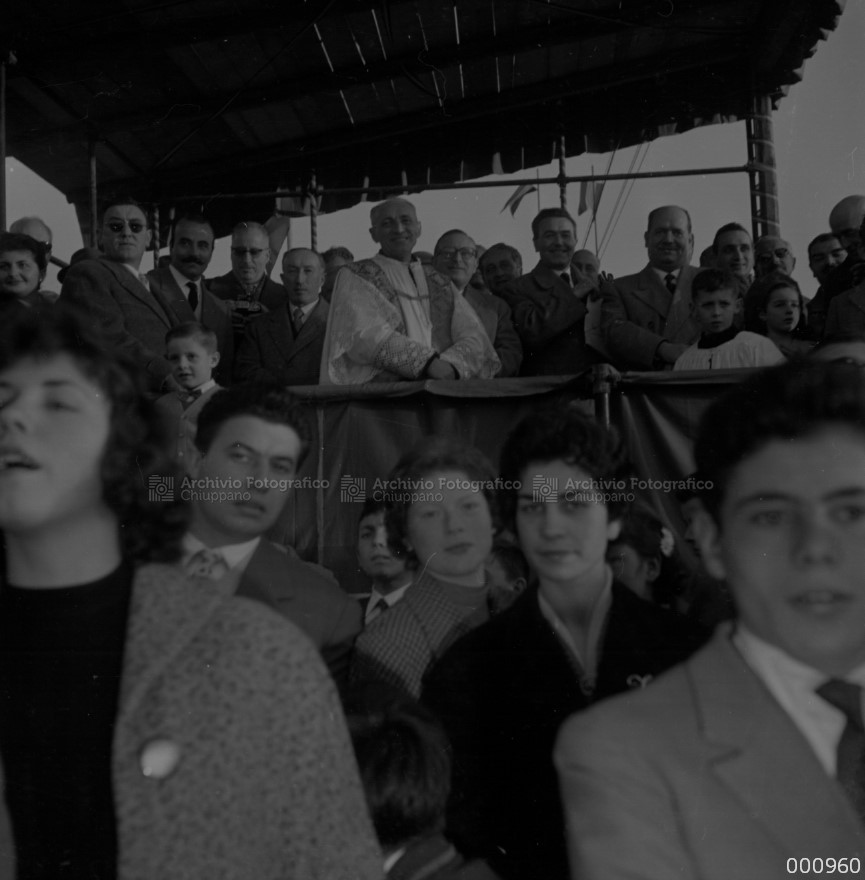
150 726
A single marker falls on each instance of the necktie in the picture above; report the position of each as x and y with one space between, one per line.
189 397
193 295
207 563
377 610
850 770
566 277
297 317
670 281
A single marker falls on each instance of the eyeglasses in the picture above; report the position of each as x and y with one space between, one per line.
242 252
135 226
465 254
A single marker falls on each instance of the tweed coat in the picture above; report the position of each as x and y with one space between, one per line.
638 313
399 646
122 311
257 780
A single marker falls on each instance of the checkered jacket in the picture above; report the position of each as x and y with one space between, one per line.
401 645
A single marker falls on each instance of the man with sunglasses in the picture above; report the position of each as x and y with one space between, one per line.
114 298
247 289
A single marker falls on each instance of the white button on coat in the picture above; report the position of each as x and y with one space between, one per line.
159 758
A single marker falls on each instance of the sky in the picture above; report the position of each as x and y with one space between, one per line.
819 130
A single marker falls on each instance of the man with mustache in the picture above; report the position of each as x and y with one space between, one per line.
181 284
646 317
549 304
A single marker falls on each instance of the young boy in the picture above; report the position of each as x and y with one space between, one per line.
744 761
390 578
190 348
722 346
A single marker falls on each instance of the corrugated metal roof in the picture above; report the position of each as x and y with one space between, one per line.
208 96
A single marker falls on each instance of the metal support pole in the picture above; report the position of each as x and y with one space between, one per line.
313 214
563 175
765 216
94 208
8 58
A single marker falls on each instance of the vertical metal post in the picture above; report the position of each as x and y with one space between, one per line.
94 209
563 174
765 215
155 239
3 139
313 215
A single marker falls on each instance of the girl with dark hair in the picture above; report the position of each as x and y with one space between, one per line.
573 638
783 315
441 513
150 726
644 558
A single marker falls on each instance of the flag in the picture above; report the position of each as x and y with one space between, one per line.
590 195
517 196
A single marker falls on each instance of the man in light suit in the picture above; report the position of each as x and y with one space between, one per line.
181 284
252 440
749 755
549 304
645 318
116 301
284 346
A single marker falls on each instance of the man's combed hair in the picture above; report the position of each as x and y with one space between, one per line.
546 213
402 754
270 403
727 227
407 481
792 401
567 435
140 482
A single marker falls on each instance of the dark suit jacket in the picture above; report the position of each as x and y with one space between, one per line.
122 311
308 598
846 312
703 776
636 317
495 315
271 352
502 692
549 320
214 315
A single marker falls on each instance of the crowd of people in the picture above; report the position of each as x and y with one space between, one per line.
184 697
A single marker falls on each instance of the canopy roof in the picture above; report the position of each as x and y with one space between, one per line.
192 97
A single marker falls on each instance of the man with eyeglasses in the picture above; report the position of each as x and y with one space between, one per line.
115 299
456 256
549 303
393 318
246 288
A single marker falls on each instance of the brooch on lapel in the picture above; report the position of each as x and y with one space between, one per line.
638 681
